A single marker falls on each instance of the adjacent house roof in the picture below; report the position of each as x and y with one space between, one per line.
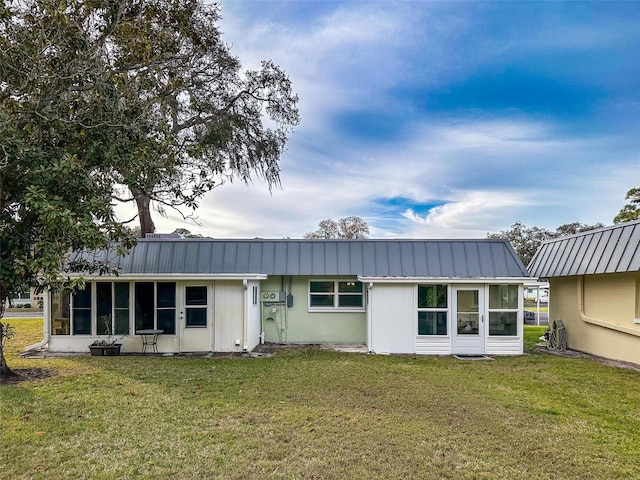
606 250
486 258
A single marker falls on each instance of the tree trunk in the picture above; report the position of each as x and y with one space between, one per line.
143 202
5 371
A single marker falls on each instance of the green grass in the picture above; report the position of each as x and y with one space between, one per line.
308 413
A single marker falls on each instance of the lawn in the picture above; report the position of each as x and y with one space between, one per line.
308 413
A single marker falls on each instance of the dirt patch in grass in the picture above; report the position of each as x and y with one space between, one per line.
542 348
27 375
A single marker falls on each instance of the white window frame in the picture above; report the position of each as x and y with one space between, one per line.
188 307
336 296
446 310
502 310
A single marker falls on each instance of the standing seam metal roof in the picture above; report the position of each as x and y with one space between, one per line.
485 258
613 249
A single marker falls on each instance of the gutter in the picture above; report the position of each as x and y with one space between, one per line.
245 313
452 280
596 321
46 313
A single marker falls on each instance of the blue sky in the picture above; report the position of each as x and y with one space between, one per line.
440 119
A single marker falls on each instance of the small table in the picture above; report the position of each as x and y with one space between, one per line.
149 337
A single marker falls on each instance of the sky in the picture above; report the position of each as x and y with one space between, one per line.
439 119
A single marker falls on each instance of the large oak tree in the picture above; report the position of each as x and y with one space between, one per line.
113 100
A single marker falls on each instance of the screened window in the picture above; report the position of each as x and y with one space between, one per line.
338 294
155 306
196 306
112 308
82 311
60 304
433 308
503 310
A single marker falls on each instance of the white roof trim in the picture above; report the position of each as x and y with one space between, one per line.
176 276
444 279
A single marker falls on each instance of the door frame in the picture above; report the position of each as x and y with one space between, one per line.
469 343
186 332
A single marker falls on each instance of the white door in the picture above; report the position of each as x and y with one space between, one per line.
196 319
468 321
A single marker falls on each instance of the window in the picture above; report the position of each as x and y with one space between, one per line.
433 308
503 310
112 308
155 306
82 311
338 294
60 303
196 306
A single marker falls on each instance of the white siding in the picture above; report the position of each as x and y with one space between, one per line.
503 346
228 314
393 317
433 345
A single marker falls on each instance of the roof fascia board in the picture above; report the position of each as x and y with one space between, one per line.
176 276
445 279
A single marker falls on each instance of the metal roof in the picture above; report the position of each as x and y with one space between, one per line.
612 249
486 258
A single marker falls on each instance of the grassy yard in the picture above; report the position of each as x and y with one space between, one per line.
307 413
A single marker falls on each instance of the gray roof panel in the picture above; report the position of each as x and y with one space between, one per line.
485 258
612 249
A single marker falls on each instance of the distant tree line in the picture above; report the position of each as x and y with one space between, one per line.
347 227
526 241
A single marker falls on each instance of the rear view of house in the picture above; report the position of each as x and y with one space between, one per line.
594 282
392 296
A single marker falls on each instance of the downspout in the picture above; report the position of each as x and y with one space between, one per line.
46 313
369 319
245 313
595 321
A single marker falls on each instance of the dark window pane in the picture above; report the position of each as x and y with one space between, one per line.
103 299
144 305
350 287
82 298
196 295
321 287
166 295
167 320
122 322
350 301
196 317
432 323
122 295
321 300
82 321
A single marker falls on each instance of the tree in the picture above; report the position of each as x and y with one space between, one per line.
55 182
631 211
526 241
157 80
347 227
186 233
50 205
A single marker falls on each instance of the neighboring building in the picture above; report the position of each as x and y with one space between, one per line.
27 298
595 289
392 296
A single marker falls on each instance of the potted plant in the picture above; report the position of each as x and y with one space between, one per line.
108 346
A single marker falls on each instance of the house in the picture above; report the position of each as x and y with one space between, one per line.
594 282
392 296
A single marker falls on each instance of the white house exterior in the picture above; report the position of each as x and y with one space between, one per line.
432 297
